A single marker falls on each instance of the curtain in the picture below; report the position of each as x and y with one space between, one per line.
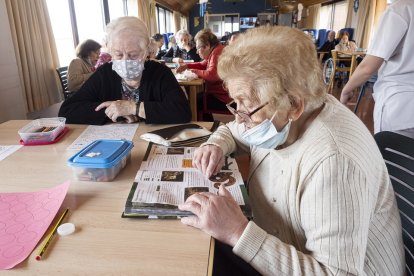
350 14
368 16
184 23
177 22
36 52
146 12
312 20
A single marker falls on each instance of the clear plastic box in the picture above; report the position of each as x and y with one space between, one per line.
43 130
101 160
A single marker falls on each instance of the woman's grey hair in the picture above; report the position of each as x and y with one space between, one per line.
280 64
181 33
131 25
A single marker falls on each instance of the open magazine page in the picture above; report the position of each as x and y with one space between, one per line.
174 187
161 158
166 179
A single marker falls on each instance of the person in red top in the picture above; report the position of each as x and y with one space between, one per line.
209 48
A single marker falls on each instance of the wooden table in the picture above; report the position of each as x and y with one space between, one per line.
104 243
192 88
353 56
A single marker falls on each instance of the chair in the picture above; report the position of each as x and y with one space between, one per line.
398 153
165 36
338 66
63 77
322 37
206 109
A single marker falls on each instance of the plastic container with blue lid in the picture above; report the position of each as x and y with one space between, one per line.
101 160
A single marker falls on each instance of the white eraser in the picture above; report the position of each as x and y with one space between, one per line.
66 229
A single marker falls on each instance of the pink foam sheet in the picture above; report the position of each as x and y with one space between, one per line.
24 219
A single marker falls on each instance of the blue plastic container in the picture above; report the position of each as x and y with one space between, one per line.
101 160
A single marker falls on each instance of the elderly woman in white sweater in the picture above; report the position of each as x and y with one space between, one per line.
320 193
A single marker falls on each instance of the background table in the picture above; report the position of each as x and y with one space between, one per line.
192 88
353 56
104 243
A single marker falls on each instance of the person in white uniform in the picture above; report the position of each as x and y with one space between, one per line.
390 52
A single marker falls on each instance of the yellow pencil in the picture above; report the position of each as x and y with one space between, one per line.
50 237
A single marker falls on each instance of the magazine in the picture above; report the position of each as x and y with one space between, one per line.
166 179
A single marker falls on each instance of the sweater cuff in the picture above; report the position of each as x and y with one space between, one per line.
250 242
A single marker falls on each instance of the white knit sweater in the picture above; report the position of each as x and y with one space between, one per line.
323 205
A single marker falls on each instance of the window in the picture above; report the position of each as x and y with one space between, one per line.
89 20
62 30
333 16
231 23
222 23
74 21
247 22
164 20
116 9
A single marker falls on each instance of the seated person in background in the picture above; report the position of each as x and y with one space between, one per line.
225 38
159 39
209 49
321 205
184 50
233 37
327 47
153 49
82 67
130 86
345 45
171 41
104 56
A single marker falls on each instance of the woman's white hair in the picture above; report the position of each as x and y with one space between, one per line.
280 63
181 33
131 25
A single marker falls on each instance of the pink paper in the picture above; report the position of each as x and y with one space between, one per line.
24 219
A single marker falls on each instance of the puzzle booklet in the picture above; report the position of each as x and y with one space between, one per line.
166 179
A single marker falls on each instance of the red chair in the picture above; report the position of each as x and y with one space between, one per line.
206 109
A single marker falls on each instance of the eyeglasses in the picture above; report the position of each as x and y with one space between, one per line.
245 116
200 47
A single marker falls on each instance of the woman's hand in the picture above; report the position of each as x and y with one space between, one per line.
181 68
218 215
120 108
346 96
209 159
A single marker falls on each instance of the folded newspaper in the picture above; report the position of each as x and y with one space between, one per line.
166 179
179 135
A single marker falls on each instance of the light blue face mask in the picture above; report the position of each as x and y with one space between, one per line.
265 135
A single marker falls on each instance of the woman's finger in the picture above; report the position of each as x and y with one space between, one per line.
103 105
